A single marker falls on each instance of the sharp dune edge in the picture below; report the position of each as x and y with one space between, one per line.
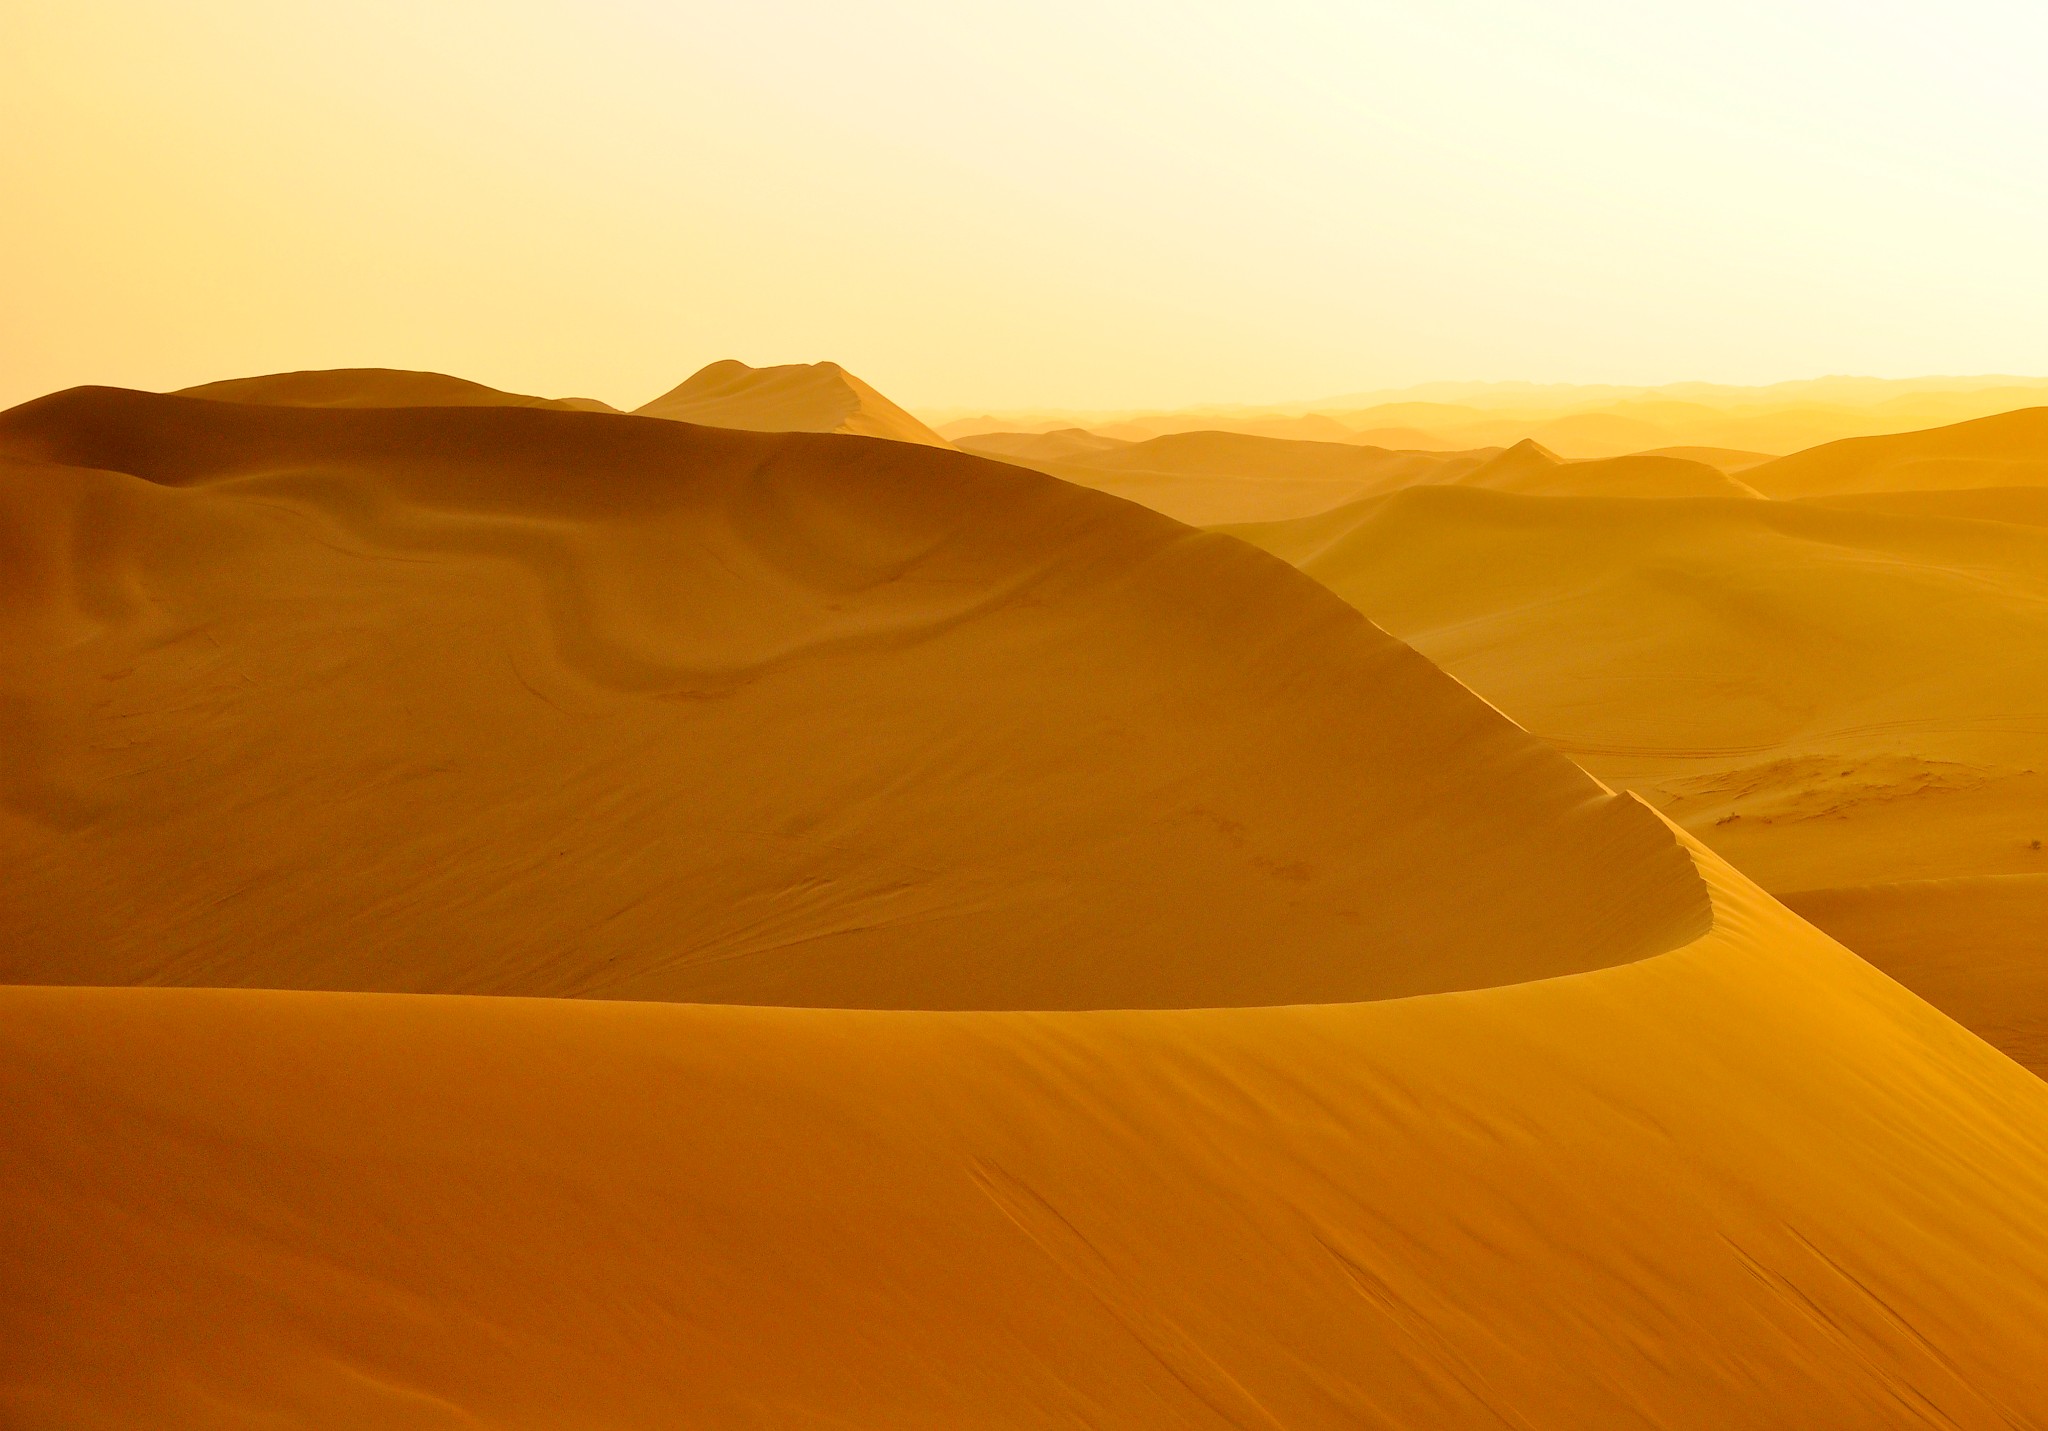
1197 1009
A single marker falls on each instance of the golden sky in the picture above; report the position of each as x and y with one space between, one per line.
1069 202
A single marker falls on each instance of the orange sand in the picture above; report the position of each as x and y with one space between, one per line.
1198 1009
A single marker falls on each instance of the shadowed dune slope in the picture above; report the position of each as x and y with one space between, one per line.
795 397
1750 1183
2008 450
513 701
1834 697
376 387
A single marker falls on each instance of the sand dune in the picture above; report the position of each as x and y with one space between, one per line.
1041 446
796 397
1726 459
2008 450
376 387
1835 696
1197 1009
1977 948
1752 1182
1215 478
506 701
1579 421
1532 470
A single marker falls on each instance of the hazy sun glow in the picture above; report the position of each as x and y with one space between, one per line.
1056 203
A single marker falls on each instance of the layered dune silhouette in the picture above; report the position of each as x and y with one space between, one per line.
576 705
1576 421
989 953
376 387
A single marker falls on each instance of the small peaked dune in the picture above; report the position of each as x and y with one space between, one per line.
2008 450
524 702
1846 696
375 387
1533 470
795 397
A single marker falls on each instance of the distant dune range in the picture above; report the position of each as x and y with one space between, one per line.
1847 695
1578 421
1085 852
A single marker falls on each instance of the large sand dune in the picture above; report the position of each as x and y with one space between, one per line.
1096 852
505 701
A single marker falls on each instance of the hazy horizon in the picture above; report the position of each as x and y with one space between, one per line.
1053 207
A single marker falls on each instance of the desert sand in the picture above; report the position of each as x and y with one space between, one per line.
989 953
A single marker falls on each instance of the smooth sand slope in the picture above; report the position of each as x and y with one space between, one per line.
376 387
1848 700
2007 450
795 397
1751 1183
506 701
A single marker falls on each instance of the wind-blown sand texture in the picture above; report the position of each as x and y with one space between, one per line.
1197 1009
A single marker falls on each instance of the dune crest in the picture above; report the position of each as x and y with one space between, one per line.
794 397
1846 695
375 387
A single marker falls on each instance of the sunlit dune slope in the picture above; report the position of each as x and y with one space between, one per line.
1750 1183
1214 478
376 387
2008 450
795 397
515 701
1834 697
